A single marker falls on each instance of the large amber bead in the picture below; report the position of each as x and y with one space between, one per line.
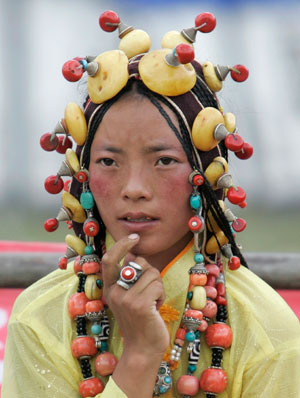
172 38
212 246
212 223
76 123
135 42
70 202
198 300
91 288
215 169
111 77
204 126
164 79
211 77
75 243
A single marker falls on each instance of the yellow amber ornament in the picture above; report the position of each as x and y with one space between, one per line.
229 121
111 77
198 300
91 289
212 223
75 122
215 169
212 246
203 128
211 77
76 244
72 160
164 79
172 39
135 42
72 204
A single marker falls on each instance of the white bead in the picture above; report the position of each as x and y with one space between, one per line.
173 351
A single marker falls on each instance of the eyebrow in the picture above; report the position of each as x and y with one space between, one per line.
147 150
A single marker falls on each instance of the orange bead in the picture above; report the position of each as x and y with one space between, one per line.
221 289
220 300
198 279
218 335
203 326
180 334
105 363
213 381
211 280
94 306
90 387
187 385
76 305
211 292
91 267
194 314
210 309
83 347
77 265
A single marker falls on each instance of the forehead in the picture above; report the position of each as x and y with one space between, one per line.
134 119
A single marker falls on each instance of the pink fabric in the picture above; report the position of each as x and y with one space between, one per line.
17 246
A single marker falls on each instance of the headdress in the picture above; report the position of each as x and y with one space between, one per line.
173 77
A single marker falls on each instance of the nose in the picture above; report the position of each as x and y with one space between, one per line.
136 185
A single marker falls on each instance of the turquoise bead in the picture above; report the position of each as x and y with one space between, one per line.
195 202
198 258
89 250
190 295
197 334
99 283
96 328
162 389
87 200
104 346
192 368
168 380
190 336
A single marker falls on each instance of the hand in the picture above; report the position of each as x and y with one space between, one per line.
136 310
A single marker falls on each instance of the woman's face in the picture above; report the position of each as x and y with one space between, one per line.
139 178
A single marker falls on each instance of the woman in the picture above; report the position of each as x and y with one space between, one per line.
152 198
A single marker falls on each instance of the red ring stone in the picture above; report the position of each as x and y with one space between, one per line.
195 224
91 227
198 180
128 273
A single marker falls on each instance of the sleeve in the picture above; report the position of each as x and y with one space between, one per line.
275 376
32 368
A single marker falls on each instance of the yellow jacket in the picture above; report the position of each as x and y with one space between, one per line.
263 361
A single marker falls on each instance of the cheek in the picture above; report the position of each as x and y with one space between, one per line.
100 186
176 189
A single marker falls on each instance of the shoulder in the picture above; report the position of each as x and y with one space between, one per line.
258 314
44 295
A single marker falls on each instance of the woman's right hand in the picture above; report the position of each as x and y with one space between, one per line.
145 336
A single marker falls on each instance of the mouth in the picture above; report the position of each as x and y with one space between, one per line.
138 219
138 222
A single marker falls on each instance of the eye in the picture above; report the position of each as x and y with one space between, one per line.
165 161
107 162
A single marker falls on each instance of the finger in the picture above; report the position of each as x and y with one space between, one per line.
112 258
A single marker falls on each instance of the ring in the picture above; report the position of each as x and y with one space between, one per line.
129 275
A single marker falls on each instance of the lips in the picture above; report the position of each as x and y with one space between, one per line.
138 217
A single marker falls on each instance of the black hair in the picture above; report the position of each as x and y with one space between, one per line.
206 98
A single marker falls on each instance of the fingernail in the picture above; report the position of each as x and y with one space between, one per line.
133 236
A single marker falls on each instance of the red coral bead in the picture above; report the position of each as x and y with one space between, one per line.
240 74
187 385
105 363
198 180
72 70
211 292
234 142
185 53
236 195
203 326
76 304
221 289
246 152
194 314
94 306
198 279
63 144
195 224
67 185
63 262
220 300
47 143
54 184
213 269
180 334
90 387
213 381
210 310
208 20
84 346
77 266
91 267
91 227
211 280
218 335
234 263
51 225
239 225
81 176
109 21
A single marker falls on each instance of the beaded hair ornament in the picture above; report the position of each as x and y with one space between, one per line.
170 73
